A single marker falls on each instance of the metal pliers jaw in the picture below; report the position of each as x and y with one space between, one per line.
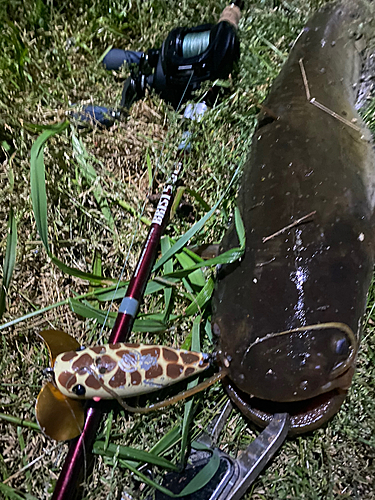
234 476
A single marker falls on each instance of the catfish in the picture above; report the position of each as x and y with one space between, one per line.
288 315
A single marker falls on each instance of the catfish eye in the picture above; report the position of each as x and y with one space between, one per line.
342 347
79 390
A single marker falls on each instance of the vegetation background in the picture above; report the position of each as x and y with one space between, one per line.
96 183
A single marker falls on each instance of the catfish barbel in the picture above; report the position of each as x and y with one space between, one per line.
288 316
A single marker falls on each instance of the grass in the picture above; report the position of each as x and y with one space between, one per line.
49 59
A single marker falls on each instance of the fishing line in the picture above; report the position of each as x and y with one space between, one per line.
334 325
167 402
158 163
195 43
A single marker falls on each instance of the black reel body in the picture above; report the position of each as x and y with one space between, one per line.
188 57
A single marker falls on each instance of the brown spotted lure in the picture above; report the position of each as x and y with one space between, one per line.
111 371
129 369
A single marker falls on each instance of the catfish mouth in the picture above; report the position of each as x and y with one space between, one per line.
305 415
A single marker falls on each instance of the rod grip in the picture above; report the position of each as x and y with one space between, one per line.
231 14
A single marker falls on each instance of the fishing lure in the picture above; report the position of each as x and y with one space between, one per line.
112 371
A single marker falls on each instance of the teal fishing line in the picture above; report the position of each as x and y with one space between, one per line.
195 43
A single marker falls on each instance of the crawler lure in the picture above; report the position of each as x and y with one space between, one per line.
112 371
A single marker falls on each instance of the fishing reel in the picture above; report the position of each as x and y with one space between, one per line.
187 57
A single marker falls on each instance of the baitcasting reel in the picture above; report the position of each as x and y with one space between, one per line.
188 57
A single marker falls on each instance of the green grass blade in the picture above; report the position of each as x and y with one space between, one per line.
198 482
149 325
49 308
225 258
85 161
38 180
188 409
203 476
201 299
149 170
177 200
39 199
199 198
108 429
239 227
9 260
12 494
72 271
126 206
86 310
167 441
208 329
20 421
151 287
146 479
195 277
196 228
128 453
168 268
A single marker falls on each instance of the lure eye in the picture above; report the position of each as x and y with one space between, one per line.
79 390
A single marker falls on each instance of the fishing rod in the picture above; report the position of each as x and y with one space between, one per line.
79 453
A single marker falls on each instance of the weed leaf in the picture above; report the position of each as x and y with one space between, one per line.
188 410
38 180
131 454
195 229
201 299
9 259
12 494
86 310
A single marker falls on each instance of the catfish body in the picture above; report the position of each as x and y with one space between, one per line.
303 161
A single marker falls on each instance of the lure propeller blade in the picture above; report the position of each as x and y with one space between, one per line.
59 417
58 342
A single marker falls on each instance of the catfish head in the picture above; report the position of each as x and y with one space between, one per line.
305 372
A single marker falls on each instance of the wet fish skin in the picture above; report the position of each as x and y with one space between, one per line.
319 270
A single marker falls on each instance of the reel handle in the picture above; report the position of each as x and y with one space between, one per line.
232 14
